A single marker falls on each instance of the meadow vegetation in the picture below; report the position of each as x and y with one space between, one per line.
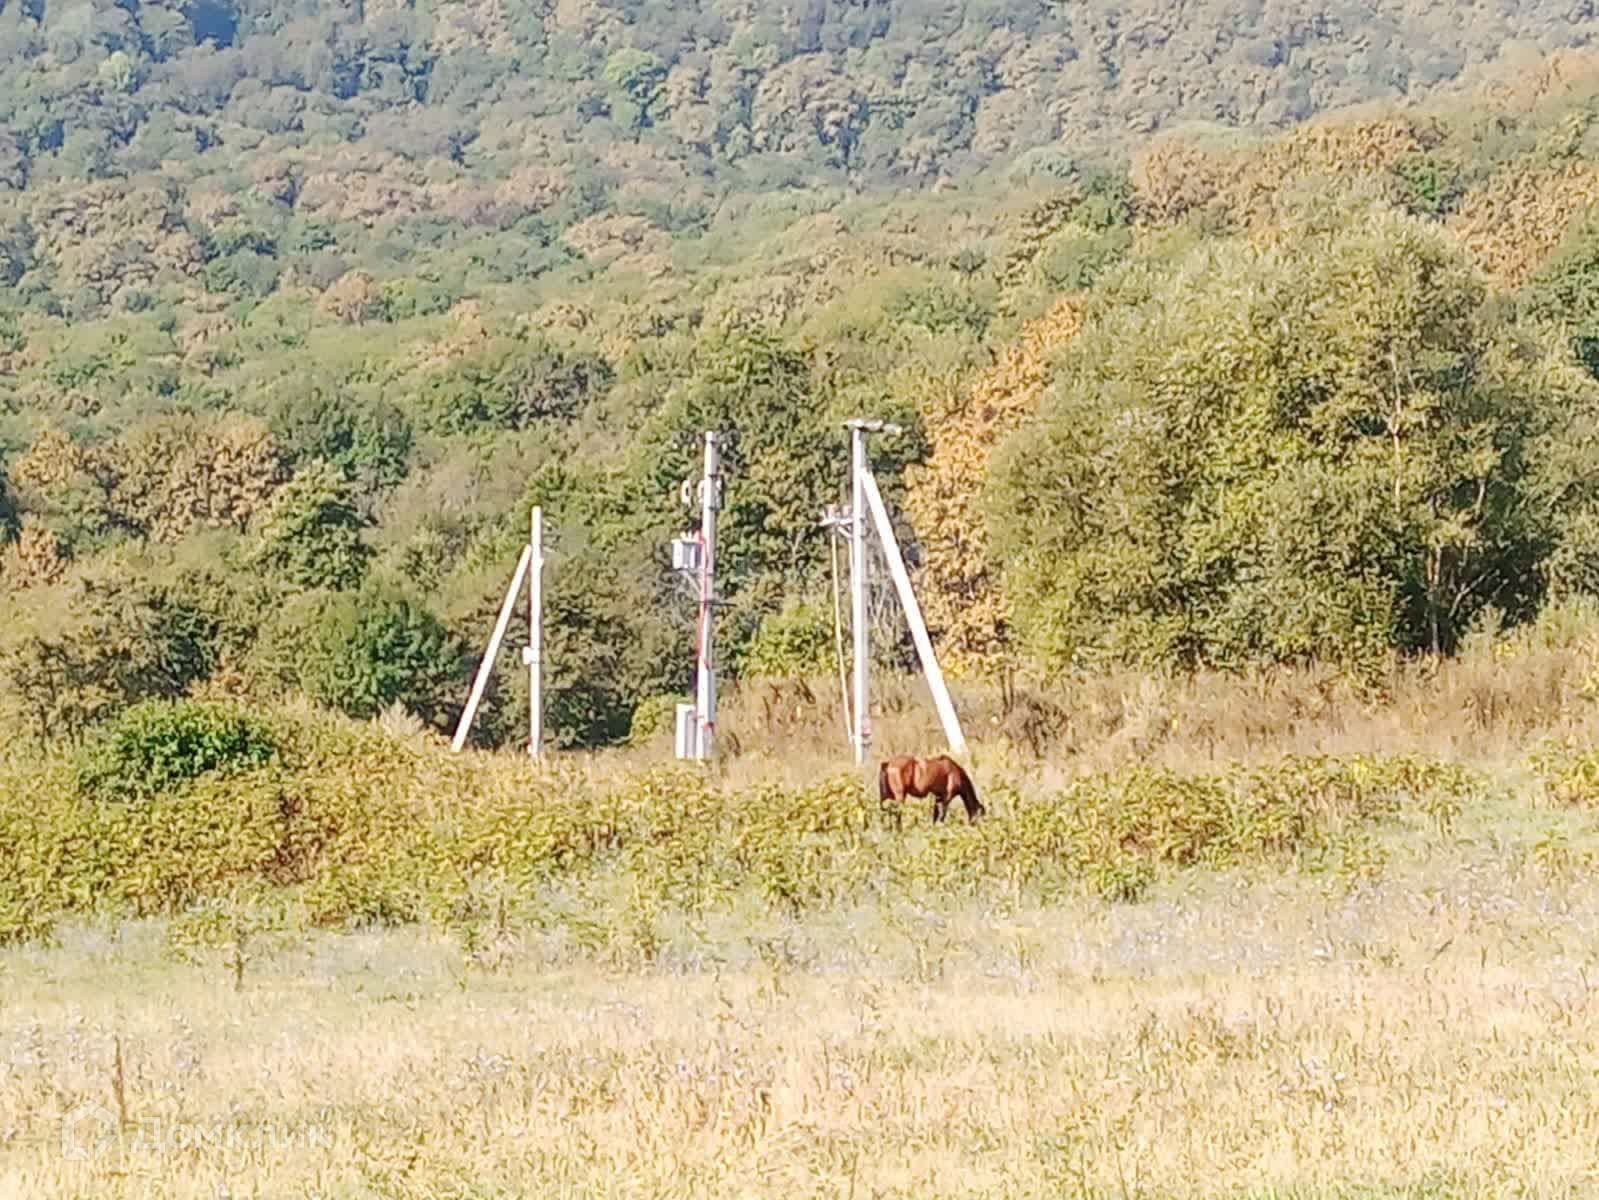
1259 934
1247 475
1176 960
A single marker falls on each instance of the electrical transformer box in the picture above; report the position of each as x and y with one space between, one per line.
686 731
687 554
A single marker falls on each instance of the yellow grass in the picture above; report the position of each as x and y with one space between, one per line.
1433 1034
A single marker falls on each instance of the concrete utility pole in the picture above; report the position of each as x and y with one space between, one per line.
858 428
857 581
486 666
913 617
533 655
694 555
531 567
705 689
866 507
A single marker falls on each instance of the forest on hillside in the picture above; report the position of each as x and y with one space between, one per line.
301 312
707 96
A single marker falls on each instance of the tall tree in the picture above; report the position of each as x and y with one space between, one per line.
959 582
311 533
1321 448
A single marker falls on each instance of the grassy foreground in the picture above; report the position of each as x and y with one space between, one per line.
1431 1033
305 958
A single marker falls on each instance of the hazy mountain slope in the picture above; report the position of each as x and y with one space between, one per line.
884 90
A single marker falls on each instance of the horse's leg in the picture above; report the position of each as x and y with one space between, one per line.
974 806
940 804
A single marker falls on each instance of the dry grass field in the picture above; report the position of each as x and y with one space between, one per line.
1435 1033
1422 1024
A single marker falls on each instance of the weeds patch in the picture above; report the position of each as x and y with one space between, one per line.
355 828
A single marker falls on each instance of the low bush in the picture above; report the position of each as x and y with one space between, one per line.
350 826
157 746
1569 773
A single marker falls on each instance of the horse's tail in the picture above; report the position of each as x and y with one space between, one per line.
968 794
884 792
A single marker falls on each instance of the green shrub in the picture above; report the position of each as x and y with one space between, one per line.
158 746
940 308
1570 774
379 647
311 532
654 715
1074 258
343 825
796 640
1429 185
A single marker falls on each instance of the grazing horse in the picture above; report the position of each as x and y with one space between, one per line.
942 778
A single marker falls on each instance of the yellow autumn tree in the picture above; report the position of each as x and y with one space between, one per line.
179 474
35 557
1174 177
1512 221
1177 176
959 584
352 298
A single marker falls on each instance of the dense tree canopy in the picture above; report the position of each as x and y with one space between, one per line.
301 312
1317 450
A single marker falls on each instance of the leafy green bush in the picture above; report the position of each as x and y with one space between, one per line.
797 640
1570 773
940 308
158 746
311 533
1074 258
380 646
654 715
1430 185
510 385
1565 291
368 439
1210 483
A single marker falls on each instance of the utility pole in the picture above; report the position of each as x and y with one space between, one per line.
866 509
913 617
858 429
530 567
486 666
694 555
535 619
857 584
705 691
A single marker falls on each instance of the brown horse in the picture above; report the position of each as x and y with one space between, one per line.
942 778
